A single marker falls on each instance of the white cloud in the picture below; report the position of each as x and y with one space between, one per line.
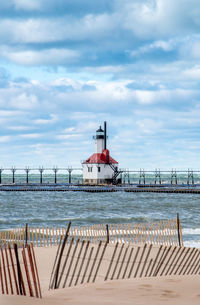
41 30
19 128
24 101
192 73
158 44
68 136
31 135
27 4
81 128
42 57
145 97
148 126
4 139
9 113
160 18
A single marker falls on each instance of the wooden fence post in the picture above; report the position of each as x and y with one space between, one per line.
108 237
18 269
178 230
60 256
26 234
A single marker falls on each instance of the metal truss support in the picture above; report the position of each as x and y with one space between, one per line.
126 176
142 179
1 170
157 176
27 170
55 169
70 174
41 169
174 176
190 177
13 170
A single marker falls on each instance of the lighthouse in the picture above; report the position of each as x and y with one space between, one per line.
100 168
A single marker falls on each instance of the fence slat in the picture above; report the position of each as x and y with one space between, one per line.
27 273
4 271
8 268
13 269
32 270
1 278
19 273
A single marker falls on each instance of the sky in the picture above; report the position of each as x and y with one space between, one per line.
66 66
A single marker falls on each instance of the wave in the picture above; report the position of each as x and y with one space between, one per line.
190 231
192 243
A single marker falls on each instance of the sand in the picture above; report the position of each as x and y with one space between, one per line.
160 290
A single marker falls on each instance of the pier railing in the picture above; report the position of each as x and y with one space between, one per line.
163 232
56 175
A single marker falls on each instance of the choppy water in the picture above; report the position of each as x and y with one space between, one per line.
58 208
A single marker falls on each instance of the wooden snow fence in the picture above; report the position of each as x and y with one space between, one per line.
18 271
83 262
163 232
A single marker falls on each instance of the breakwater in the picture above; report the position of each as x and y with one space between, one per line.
183 189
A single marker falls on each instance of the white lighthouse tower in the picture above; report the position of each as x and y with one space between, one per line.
100 168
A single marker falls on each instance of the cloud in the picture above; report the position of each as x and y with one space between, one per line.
53 118
67 66
4 139
44 57
192 73
68 136
160 18
24 101
31 135
27 5
165 46
45 30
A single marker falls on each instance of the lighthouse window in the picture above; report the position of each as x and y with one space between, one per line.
89 169
99 169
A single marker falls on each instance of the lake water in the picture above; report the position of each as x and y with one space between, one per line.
82 208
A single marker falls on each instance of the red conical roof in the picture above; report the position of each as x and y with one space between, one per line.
103 158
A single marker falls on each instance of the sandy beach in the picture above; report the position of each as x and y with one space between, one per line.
159 290
170 290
